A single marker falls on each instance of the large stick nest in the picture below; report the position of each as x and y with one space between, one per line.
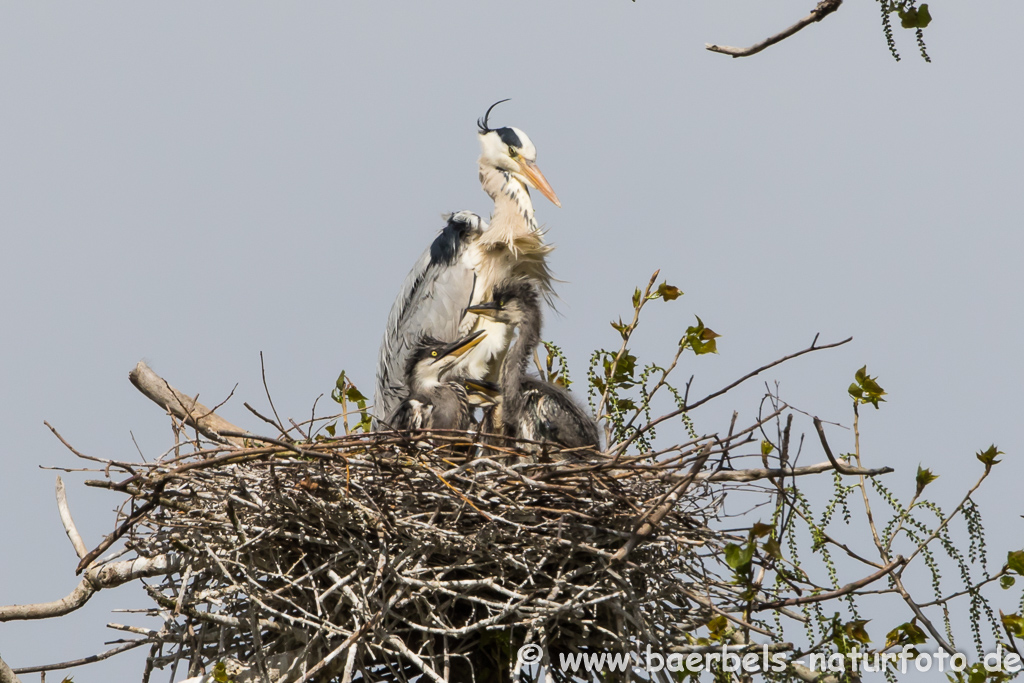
429 558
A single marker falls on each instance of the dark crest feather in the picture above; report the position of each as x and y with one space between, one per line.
482 123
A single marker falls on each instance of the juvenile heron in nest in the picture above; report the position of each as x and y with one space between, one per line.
530 407
438 397
465 262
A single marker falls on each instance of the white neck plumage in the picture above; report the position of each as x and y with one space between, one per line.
512 220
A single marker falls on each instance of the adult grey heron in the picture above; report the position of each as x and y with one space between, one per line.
464 263
530 407
435 402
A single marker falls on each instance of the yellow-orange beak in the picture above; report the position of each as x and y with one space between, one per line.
537 179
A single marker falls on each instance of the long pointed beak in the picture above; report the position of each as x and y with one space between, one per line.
537 179
484 387
488 310
456 349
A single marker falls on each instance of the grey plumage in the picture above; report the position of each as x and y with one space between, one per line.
466 260
530 407
430 304
437 395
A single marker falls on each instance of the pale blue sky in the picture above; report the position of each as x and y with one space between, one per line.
195 183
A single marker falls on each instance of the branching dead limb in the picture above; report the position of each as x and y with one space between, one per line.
95 579
820 11
181 406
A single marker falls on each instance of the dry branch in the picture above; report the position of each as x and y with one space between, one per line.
185 408
820 11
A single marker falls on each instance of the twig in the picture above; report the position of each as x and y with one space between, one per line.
124 647
839 592
69 524
821 10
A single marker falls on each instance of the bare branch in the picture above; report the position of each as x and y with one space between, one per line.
7 674
69 524
839 592
95 579
841 468
123 647
821 10
181 406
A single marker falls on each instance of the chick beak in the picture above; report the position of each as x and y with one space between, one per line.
489 389
456 349
487 310
537 179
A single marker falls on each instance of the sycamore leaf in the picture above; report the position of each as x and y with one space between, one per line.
1006 582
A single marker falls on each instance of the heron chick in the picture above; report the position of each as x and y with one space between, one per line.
530 407
438 397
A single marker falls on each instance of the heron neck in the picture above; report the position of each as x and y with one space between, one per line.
513 206
514 367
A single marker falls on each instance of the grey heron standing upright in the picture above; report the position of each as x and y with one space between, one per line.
465 262
530 407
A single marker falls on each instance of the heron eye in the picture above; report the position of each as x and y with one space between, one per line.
512 152
433 353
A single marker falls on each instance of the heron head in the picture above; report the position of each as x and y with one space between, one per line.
512 302
433 358
510 149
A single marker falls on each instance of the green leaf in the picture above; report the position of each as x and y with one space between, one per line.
700 338
636 297
220 673
772 548
1006 582
767 447
866 389
924 477
924 17
738 557
717 627
331 428
855 630
989 455
668 292
621 327
907 633
760 530
1014 624
1015 561
353 394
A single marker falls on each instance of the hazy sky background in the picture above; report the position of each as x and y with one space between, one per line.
193 183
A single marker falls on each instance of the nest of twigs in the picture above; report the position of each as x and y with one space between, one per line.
380 557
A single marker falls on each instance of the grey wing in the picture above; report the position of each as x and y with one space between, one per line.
431 302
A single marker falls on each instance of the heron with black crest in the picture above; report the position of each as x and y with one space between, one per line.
465 262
